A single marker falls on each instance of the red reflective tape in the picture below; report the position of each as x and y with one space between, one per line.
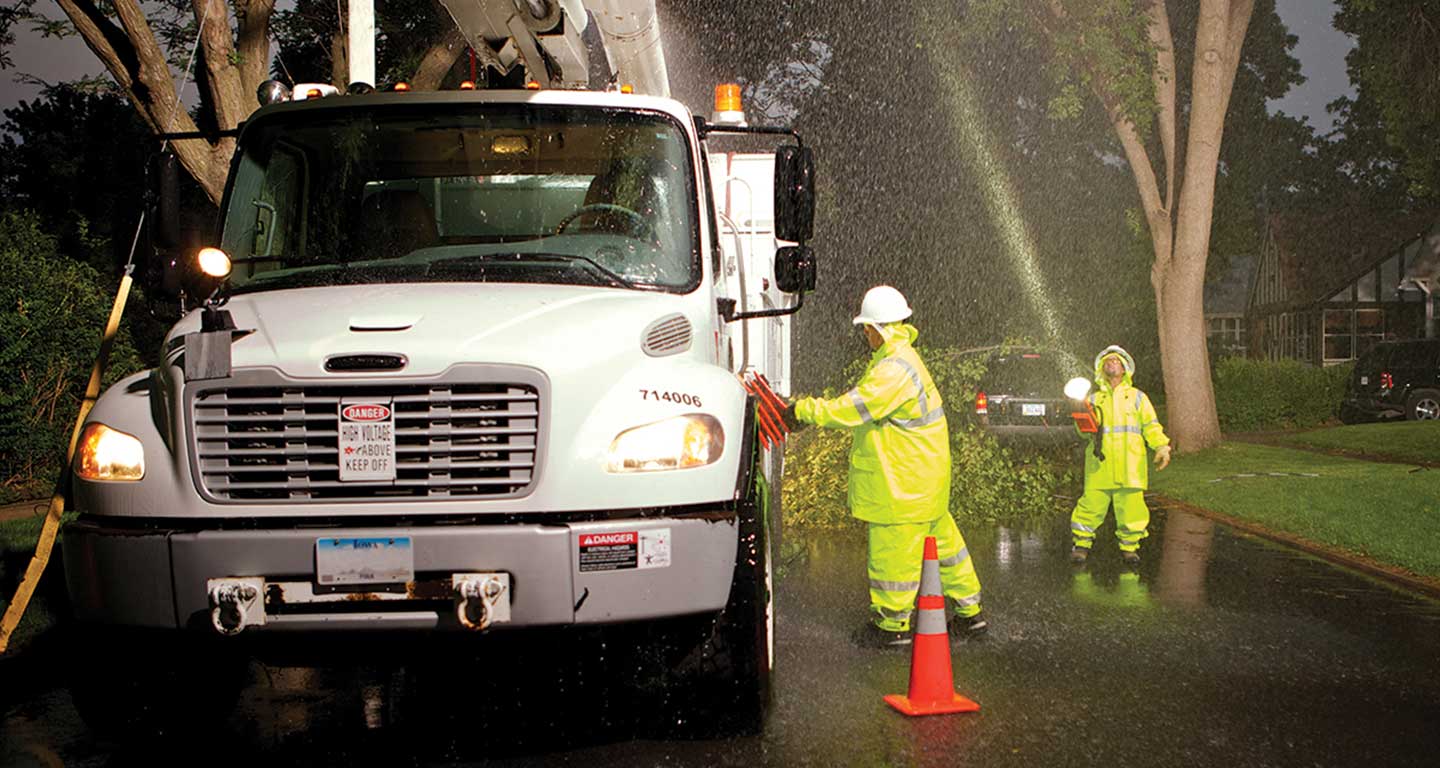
930 603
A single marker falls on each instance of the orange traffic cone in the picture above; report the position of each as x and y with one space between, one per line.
932 686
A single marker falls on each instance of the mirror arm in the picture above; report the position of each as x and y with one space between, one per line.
729 315
705 128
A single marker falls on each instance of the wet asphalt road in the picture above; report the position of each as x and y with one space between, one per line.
1222 650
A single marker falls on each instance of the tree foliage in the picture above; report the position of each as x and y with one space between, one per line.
147 54
1396 69
989 482
52 310
69 140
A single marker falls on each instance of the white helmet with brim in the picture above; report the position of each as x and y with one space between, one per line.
882 304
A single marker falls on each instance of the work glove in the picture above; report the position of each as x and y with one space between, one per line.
1162 457
792 423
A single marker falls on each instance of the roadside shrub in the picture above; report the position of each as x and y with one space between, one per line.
1257 395
52 310
989 482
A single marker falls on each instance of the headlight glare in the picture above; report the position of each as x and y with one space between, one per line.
681 442
109 454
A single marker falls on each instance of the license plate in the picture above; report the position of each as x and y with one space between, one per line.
376 560
1032 409
367 440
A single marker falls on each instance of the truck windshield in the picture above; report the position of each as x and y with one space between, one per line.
483 193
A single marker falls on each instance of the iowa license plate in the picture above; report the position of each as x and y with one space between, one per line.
367 440
374 560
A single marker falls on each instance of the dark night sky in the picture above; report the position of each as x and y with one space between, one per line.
1321 51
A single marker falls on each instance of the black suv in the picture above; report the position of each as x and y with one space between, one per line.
1394 378
1022 395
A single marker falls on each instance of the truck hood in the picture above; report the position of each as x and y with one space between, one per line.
435 325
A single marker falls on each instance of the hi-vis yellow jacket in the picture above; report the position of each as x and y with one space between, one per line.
1127 424
900 459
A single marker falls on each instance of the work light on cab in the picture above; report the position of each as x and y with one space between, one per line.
728 109
108 454
681 442
214 262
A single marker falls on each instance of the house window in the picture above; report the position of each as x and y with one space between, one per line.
1369 329
1339 335
1365 287
1226 333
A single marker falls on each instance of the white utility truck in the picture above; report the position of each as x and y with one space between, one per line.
468 361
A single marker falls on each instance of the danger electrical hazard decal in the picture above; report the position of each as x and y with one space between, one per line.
623 550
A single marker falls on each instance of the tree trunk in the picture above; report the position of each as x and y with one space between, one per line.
1184 351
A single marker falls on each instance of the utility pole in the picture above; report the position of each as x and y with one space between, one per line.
362 41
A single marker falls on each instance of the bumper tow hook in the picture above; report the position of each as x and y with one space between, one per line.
481 599
235 604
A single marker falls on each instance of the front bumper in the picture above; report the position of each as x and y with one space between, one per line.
121 574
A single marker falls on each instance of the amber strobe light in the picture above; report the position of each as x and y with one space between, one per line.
727 98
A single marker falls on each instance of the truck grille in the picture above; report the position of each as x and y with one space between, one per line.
281 443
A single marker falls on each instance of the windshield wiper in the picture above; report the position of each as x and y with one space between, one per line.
534 256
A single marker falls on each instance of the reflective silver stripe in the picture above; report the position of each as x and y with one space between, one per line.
894 586
1138 396
903 614
1125 429
966 602
923 421
930 622
865 417
1081 527
960 557
927 416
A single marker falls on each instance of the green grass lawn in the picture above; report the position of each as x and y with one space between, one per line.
1387 512
1406 440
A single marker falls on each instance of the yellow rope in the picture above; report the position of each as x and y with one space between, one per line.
17 606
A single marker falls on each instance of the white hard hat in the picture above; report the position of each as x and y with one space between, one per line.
882 304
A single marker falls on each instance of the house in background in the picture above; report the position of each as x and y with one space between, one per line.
1328 317
1225 305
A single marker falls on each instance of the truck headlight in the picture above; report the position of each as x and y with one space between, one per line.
692 440
109 454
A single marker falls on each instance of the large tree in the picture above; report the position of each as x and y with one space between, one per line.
143 52
1122 54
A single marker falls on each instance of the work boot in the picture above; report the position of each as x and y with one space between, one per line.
971 627
871 636
1079 555
1131 559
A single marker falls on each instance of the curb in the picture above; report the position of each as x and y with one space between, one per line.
20 510
1428 586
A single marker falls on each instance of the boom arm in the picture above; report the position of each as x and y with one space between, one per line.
546 37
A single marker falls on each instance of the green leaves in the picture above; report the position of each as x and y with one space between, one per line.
52 310
989 482
1254 395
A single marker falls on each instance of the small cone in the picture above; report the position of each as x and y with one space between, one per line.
932 683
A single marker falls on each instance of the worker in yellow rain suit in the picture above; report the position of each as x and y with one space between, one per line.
1115 469
899 473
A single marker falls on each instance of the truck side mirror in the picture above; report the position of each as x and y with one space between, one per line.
794 193
795 269
166 219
